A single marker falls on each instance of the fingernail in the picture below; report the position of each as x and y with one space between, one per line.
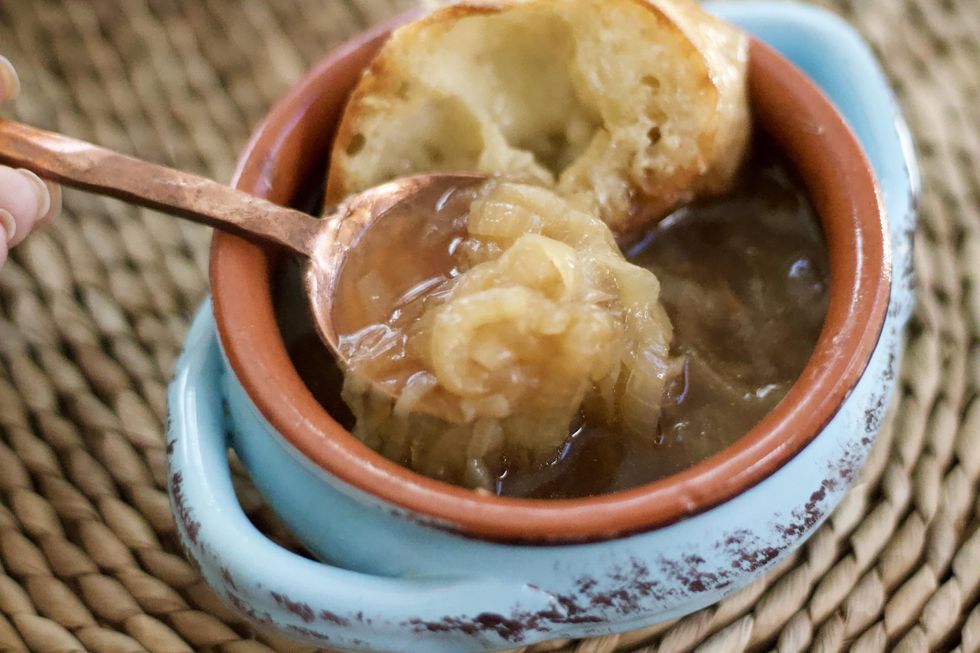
9 225
42 192
54 202
9 82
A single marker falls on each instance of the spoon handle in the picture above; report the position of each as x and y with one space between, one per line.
95 169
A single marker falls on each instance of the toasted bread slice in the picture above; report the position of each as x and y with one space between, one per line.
634 106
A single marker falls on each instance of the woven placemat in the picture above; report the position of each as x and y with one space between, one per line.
93 312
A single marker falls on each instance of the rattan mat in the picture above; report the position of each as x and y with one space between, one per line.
93 312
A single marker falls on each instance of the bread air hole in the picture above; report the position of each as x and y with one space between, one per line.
651 81
356 144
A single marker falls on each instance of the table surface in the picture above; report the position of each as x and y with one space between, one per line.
93 311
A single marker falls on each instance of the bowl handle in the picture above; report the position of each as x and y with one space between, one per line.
314 601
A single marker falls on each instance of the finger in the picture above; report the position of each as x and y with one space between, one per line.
9 82
3 250
25 200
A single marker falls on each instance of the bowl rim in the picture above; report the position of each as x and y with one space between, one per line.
842 186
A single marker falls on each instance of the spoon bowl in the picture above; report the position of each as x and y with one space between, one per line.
410 223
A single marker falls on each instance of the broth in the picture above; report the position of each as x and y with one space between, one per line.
744 279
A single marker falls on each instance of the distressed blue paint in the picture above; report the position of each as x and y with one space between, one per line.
389 576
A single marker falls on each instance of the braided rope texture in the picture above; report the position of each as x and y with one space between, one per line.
94 309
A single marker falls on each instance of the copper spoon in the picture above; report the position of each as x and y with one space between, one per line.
408 204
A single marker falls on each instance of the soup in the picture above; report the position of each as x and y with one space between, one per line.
744 280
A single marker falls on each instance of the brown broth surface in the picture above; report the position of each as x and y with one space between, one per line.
744 279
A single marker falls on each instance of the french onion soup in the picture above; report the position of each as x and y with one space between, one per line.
732 291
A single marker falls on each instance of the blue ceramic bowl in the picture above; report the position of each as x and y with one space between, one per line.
392 580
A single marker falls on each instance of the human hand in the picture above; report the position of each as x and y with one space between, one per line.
26 201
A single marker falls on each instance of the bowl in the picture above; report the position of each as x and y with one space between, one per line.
411 564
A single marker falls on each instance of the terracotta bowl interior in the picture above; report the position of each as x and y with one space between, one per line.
286 157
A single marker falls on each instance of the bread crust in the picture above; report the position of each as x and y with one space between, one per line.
631 175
